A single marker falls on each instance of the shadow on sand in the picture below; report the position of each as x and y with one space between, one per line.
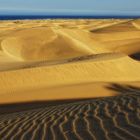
124 89
136 56
18 107
107 115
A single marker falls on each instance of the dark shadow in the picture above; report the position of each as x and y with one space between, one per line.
124 89
25 106
136 56
73 116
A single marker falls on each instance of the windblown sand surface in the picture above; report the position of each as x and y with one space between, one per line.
41 58
46 60
112 118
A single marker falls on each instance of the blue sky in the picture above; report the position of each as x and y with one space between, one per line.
130 7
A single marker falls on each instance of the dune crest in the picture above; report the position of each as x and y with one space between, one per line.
136 23
70 79
41 44
50 57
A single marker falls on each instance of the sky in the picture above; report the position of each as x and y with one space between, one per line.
77 7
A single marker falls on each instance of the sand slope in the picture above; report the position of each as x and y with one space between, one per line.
117 69
122 37
136 23
41 44
45 63
105 118
42 56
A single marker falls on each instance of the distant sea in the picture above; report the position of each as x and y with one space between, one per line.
24 17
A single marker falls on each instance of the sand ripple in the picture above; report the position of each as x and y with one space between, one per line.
115 118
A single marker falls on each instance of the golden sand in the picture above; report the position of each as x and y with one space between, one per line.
67 59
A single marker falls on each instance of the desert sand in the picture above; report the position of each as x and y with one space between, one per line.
94 64
41 59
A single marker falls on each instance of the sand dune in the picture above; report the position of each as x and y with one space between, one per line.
121 26
105 118
16 65
85 38
136 23
41 44
122 37
110 70
51 54
49 67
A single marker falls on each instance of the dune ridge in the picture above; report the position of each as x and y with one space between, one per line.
37 44
136 23
67 52
70 79
31 64
71 73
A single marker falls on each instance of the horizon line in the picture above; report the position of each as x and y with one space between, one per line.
37 17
